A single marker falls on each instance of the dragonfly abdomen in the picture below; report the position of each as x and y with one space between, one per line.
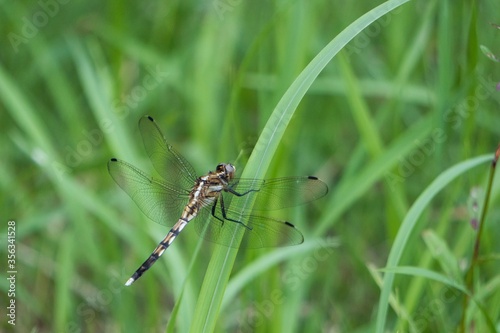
162 246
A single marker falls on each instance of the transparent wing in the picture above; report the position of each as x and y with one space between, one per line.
169 164
260 231
277 193
161 202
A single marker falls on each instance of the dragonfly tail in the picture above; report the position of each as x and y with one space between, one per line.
148 263
164 244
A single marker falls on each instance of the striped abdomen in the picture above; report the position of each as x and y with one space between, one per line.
188 214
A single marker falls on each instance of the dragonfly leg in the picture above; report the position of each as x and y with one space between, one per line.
223 210
230 190
213 212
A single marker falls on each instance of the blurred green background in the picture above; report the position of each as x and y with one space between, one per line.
409 97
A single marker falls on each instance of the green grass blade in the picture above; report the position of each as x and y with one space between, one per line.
97 87
350 189
409 224
220 266
23 112
428 274
264 263
446 280
443 255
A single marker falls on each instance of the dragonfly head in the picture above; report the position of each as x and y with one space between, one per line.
227 169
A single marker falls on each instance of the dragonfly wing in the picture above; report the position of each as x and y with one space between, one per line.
277 193
258 231
161 202
268 232
169 164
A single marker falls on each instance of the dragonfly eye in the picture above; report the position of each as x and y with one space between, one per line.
230 170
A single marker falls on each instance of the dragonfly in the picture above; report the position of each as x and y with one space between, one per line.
219 200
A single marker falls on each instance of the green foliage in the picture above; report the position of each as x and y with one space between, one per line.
394 107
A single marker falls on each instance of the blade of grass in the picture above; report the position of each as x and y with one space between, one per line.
351 188
264 263
23 112
66 270
397 306
409 224
97 87
469 276
220 266
442 254
446 280
428 274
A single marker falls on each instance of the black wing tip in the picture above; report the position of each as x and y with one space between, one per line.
297 241
316 178
145 118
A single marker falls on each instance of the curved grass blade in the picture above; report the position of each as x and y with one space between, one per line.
408 226
264 263
219 269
